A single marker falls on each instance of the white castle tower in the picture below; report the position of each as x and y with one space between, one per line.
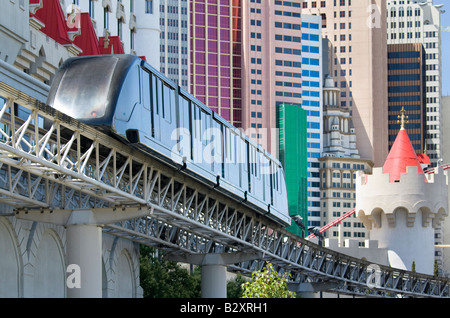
401 206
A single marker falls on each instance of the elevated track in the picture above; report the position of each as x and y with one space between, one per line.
51 164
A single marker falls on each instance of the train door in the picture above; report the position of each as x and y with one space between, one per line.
146 101
201 136
270 178
251 168
265 176
214 148
163 110
275 183
231 165
255 175
184 128
243 163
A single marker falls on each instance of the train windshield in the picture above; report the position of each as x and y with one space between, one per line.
83 89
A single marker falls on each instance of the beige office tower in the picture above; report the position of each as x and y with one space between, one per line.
356 34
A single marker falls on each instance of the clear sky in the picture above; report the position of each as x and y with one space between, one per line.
445 42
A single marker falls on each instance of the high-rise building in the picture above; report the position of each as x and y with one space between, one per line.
292 121
175 41
356 33
414 21
406 91
247 59
272 65
338 168
312 103
216 56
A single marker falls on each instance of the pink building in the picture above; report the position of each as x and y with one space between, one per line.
272 64
246 59
216 56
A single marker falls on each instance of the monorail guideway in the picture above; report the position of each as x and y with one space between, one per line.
56 169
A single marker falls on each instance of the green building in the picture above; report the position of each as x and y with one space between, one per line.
292 125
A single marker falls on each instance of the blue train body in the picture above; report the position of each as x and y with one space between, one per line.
124 96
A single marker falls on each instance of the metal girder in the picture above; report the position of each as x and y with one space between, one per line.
62 164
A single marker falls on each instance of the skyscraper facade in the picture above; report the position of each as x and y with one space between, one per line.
414 21
339 167
175 41
272 65
216 56
292 121
356 33
312 103
406 91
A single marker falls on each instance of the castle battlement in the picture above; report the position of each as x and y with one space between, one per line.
370 251
415 192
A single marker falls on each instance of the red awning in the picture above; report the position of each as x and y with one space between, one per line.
400 156
52 15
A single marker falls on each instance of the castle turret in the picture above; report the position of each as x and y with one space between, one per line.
401 206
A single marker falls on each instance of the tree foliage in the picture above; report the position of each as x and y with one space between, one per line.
234 289
267 283
165 279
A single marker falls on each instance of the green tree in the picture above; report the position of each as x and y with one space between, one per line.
160 278
267 284
234 289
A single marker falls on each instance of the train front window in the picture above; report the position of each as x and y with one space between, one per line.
83 90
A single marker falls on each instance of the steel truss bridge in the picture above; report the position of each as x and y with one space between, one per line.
50 163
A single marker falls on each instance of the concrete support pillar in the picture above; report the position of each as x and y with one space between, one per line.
84 253
214 281
214 269
84 243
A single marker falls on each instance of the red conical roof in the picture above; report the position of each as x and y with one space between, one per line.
400 156
52 15
87 40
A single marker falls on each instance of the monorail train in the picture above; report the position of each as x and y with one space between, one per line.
124 96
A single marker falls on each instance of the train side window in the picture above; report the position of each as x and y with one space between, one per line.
146 89
168 100
243 153
234 156
229 147
156 99
205 133
255 162
258 164
275 176
197 123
